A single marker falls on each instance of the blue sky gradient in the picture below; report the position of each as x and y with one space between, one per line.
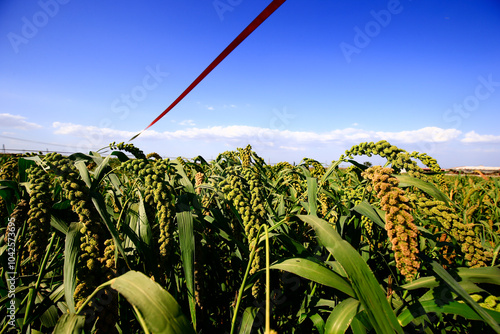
314 79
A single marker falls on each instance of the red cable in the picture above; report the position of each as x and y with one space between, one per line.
241 37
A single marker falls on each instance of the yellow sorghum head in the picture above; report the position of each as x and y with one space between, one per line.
401 230
198 181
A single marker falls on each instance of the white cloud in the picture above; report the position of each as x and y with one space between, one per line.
473 137
292 148
210 107
6 133
85 131
17 122
189 122
428 134
284 139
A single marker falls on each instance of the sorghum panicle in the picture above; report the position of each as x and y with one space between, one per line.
401 230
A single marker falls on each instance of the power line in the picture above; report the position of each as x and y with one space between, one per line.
4 150
37 142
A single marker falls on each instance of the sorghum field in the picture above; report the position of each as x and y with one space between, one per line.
110 243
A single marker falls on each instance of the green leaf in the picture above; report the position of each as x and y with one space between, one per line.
70 324
357 326
100 169
312 194
100 206
455 287
453 307
184 181
23 164
330 171
489 275
49 318
316 273
367 210
364 283
161 313
144 228
186 241
120 155
248 319
84 172
71 251
318 322
45 310
357 164
9 191
427 187
341 317
423 282
58 224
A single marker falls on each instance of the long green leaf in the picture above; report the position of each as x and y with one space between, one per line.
340 318
71 251
70 324
455 287
188 185
367 210
427 187
144 228
318 322
101 166
357 326
187 245
84 173
364 283
316 273
161 313
248 319
100 206
330 171
23 164
489 275
312 194
50 315
453 307
58 224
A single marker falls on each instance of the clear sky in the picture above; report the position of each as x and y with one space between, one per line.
314 79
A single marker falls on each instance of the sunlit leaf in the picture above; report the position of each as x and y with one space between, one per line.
159 309
364 283
340 318
315 272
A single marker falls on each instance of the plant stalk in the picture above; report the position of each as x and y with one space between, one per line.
268 285
242 288
32 291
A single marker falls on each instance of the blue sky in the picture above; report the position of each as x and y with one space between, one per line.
314 79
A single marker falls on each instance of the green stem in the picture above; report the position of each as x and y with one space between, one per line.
268 285
4 327
32 291
242 288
